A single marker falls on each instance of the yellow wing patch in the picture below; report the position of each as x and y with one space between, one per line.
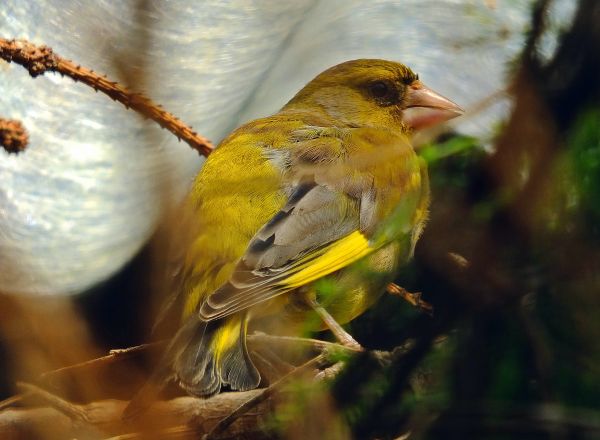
227 336
338 255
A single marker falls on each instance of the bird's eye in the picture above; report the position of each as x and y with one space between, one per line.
379 89
384 92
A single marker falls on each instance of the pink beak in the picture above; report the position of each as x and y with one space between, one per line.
425 108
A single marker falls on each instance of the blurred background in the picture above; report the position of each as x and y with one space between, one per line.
509 260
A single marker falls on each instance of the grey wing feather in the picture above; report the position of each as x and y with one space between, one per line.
314 216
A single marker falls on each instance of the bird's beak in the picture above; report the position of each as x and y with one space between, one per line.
424 107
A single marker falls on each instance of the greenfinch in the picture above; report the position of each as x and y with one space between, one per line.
292 203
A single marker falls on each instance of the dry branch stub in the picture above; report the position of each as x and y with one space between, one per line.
13 136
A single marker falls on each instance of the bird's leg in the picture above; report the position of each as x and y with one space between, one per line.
340 334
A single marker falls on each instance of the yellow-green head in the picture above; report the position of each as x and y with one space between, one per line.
375 93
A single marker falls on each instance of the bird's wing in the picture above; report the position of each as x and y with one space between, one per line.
325 226
316 233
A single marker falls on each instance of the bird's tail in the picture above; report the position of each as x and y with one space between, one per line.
201 357
216 355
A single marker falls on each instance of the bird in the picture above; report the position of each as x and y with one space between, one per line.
310 209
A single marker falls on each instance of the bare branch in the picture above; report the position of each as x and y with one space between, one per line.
182 417
264 394
73 411
41 59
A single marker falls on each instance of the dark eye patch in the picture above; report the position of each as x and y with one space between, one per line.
379 89
384 92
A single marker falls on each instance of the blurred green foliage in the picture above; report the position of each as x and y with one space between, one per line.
526 366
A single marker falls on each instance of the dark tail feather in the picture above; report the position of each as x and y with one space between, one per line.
202 356
194 363
217 356
236 367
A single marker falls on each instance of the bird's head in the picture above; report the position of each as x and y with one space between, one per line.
376 93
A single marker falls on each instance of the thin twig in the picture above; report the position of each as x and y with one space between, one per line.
412 298
316 344
461 262
13 399
112 356
330 372
73 411
41 59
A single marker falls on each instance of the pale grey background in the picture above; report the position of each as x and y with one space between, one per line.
86 195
